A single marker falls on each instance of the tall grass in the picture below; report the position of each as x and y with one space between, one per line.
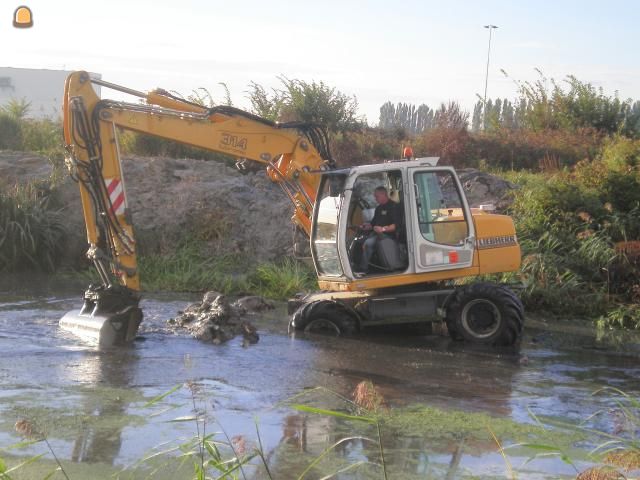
282 280
570 225
189 268
192 267
31 231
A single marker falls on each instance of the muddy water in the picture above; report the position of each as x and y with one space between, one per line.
93 404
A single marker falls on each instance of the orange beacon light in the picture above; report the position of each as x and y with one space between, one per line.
22 17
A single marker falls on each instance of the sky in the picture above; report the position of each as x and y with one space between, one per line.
403 51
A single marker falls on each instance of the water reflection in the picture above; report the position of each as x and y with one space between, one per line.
306 437
107 377
406 370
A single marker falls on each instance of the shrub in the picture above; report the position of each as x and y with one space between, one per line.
10 133
622 191
621 153
31 233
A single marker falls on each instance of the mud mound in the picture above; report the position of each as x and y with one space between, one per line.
482 188
23 167
232 213
216 320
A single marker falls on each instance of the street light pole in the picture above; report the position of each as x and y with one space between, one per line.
486 79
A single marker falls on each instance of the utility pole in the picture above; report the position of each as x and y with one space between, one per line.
486 79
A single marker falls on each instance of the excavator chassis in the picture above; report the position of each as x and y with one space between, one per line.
482 312
109 316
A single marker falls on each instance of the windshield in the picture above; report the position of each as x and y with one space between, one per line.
325 233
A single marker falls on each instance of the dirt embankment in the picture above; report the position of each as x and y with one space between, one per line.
170 199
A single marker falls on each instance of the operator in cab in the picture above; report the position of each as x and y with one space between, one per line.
385 222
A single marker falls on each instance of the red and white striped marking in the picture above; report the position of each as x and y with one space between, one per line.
116 195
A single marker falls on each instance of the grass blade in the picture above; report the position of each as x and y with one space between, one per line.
332 413
24 464
162 396
327 451
261 452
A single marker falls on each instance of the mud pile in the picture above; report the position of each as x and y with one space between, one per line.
232 213
216 320
484 188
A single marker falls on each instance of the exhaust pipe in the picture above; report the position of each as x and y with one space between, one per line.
109 316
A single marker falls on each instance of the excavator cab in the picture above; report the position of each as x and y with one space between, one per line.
436 231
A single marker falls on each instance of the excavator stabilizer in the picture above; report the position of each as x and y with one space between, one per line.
110 316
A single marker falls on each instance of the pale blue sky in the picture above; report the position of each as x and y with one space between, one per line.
410 51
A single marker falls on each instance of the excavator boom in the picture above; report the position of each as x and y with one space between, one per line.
292 154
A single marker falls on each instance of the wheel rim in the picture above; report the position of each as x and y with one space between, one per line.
322 325
481 318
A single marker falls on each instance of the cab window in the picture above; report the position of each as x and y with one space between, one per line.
441 216
325 232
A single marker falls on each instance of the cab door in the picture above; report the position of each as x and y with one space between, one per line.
443 232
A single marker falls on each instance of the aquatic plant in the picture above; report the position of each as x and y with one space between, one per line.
33 434
619 450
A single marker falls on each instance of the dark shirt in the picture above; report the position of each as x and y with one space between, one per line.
387 214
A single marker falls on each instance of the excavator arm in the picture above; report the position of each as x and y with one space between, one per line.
292 153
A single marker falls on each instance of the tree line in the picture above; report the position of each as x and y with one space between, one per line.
541 105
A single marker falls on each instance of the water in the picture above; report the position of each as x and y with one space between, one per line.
92 403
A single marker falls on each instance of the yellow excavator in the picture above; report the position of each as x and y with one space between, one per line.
409 278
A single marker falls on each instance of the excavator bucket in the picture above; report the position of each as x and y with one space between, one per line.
110 316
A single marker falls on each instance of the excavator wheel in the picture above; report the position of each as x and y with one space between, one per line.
485 313
324 316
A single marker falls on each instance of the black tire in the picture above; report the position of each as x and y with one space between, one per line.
485 313
324 316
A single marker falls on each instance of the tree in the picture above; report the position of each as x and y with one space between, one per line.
631 123
476 122
264 104
304 101
545 104
406 116
507 119
451 116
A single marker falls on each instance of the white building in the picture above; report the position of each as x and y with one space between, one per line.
43 88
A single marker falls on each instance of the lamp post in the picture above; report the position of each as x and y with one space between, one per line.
486 78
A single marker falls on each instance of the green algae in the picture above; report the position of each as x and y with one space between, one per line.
431 422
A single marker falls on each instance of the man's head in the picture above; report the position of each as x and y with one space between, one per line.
381 195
